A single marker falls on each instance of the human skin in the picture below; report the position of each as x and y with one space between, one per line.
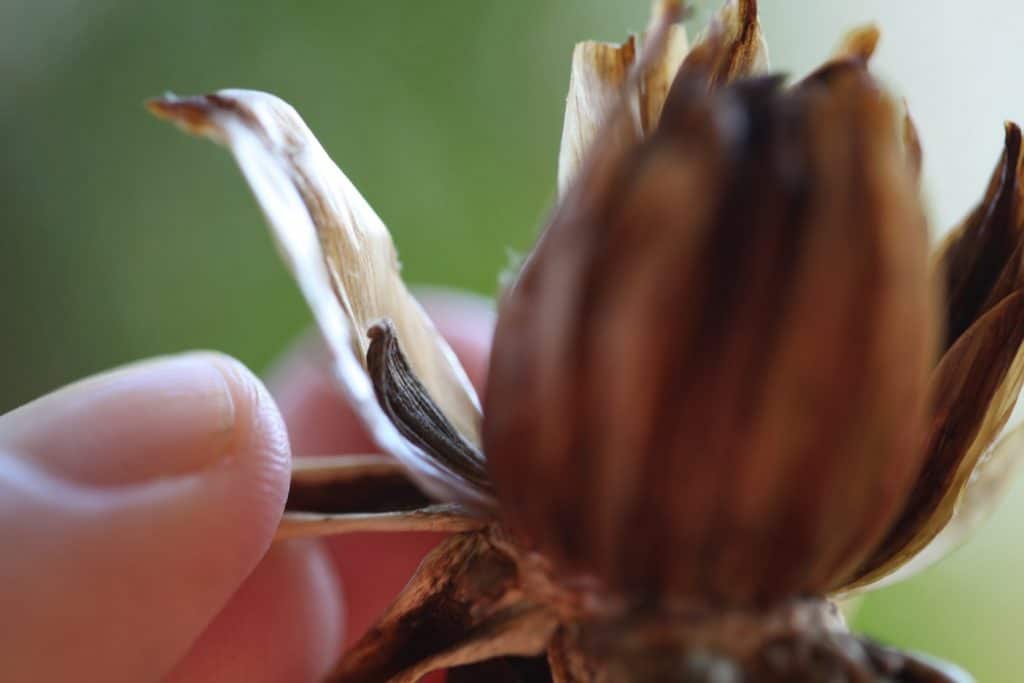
137 510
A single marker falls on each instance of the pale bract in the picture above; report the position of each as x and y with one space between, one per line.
344 261
597 78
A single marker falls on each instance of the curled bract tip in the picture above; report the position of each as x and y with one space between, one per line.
192 114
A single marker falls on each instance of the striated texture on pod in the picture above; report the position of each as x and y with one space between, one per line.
707 382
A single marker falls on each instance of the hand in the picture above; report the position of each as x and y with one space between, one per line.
137 510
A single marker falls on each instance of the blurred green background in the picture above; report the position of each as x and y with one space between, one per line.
123 239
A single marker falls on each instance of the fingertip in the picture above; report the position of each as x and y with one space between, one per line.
284 623
121 573
259 448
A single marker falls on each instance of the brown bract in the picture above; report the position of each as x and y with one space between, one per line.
728 384
675 325
975 385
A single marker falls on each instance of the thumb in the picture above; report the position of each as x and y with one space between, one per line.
132 505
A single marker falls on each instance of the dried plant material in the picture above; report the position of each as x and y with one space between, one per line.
974 389
981 259
912 145
503 670
352 483
598 73
464 604
976 384
518 631
566 658
357 249
732 46
982 494
805 641
344 261
407 403
439 517
588 196
859 44
905 667
596 83
723 390
657 80
765 303
351 493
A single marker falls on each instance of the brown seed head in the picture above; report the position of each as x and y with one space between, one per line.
706 384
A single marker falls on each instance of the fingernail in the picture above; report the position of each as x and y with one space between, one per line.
149 420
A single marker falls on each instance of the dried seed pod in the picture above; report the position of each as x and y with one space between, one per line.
706 384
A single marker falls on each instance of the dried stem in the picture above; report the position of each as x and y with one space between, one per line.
346 494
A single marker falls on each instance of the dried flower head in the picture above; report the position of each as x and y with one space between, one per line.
729 384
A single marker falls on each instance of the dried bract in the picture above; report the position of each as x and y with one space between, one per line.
345 262
975 385
736 330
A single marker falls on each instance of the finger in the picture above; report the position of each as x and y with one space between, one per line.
373 567
132 506
188 396
284 624
319 419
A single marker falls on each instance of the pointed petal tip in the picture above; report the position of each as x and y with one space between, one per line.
731 47
380 328
668 11
191 113
664 15
740 13
860 43
201 115
1013 134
